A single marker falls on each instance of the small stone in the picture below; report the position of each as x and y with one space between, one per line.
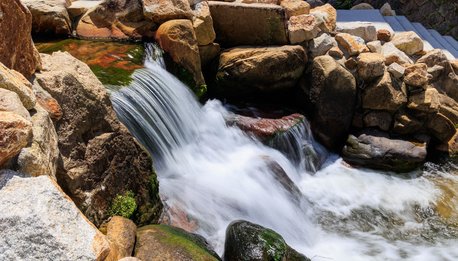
386 10
351 45
408 42
326 16
434 57
295 7
9 101
384 35
362 6
351 63
302 28
396 70
121 233
15 133
394 55
13 82
370 65
335 53
379 119
375 46
426 101
364 30
321 44
435 71
203 24
416 75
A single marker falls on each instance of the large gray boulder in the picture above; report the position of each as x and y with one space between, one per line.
50 16
378 151
39 222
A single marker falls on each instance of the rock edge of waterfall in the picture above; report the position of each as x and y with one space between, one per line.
81 187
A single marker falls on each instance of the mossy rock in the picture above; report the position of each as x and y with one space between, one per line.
246 241
124 205
163 242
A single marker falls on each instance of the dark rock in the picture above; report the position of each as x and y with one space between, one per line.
246 241
384 94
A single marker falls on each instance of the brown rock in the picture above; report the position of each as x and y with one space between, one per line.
10 81
379 119
266 24
100 159
426 101
15 133
455 66
351 64
394 55
16 47
384 35
371 65
244 71
326 16
384 94
295 7
203 24
406 124
336 53
160 11
9 101
408 42
177 38
121 233
434 57
449 108
350 44
47 102
50 16
416 75
209 52
302 28
441 127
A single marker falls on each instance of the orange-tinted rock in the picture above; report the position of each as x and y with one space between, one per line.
121 234
350 44
160 11
15 133
384 35
295 7
47 102
16 47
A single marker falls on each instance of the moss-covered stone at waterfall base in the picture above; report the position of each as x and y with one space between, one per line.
246 241
170 243
124 205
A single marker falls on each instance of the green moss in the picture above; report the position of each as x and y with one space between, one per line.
177 238
112 75
124 205
275 245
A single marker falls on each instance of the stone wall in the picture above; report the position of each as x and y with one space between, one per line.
441 15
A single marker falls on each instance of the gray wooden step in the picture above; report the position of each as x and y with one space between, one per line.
446 46
424 33
393 22
452 41
408 26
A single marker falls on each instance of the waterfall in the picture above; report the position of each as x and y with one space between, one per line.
215 174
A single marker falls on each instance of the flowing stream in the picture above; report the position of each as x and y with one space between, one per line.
217 174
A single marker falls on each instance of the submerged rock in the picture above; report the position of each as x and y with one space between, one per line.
16 47
162 242
380 152
248 241
39 222
249 70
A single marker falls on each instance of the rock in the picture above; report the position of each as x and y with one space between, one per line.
394 55
370 65
408 42
405 124
425 101
384 35
15 133
335 53
321 45
129 259
315 3
383 94
9 101
114 20
449 108
455 66
209 52
333 96
274 2
249 70
302 28
266 24
326 16
366 31
100 159
177 38
248 241
39 222
16 47
160 11
441 127
121 233
13 82
351 64
351 45
396 70
162 242
49 16
362 6
203 24
379 119
434 57
435 72
47 102
80 7
379 152
386 10
375 46
265 129
416 75
295 7
40 157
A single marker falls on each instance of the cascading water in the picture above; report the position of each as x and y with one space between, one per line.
217 174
